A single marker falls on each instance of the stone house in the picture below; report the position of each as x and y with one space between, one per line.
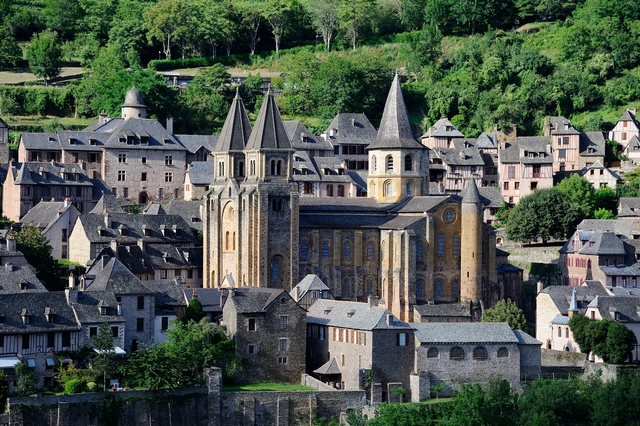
441 134
600 176
170 303
524 166
623 308
94 232
554 302
350 134
457 353
626 128
628 208
55 220
303 141
210 299
134 301
197 178
348 342
592 148
269 329
456 164
27 184
310 289
440 312
325 177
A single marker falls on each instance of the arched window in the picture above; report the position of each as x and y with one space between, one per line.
456 244
566 332
346 251
419 251
370 251
408 189
221 168
369 287
345 289
503 353
419 289
233 242
384 250
408 163
432 353
456 353
441 244
275 269
438 289
325 251
241 168
279 168
304 250
252 164
559 331
389 164
456 289
226 240
480 352
273 167
388 189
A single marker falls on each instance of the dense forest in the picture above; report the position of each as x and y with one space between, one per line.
481 63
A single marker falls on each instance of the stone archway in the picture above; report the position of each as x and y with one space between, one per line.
143 198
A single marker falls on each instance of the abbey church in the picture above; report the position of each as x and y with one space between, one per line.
398 243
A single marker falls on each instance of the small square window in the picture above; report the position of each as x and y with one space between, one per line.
140 324
282 360
282 344
143 177
144 160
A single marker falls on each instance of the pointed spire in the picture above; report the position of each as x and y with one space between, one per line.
236 129
573 306
268 131
396 130
471 194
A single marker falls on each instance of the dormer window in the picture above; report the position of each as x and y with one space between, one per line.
49 314
101 231
26 316
23 284
166 257
130 140
72 141
163 230
176 230
92 142
102 307
144 140
122 139
350 313
123 230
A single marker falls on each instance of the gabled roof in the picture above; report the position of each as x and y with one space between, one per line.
49 174
352 129
115 277
45 213
443 128
137 128
236 129
396 130
12 306
491 196
470 193
353 315
107 204
464 333
268 131
301 138
487 141
194 142
525 339
618 308
604 243
561 295
39 141
249 300
629 115
592 144
13 278
463 152
168 293
308 283
209 298
154 209
87 310
190 211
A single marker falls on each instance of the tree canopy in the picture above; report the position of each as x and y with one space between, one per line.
545 214
37 251
507 311
606 338
44 55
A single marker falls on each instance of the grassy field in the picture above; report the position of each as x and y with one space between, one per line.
23 75
266 387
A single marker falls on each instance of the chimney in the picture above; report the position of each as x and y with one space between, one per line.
373 301
119 309
11 244
66 202
179 281
8 267
170 124
72 295
107 220
59 213
141 244
353 122
72 280
83 165
114 246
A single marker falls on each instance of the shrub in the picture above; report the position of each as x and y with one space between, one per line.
74 386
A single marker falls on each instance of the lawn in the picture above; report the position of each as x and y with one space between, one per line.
266 387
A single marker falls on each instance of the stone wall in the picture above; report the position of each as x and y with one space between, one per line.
194 406
551 358
608 372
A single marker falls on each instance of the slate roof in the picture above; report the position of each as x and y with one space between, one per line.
470 193
209 298
620 270
164 256
308 283
627 228
134 224
328 368
190 211
627 308
439 129
133 98
137 128
353 315
107 204
115 277
604 243
507 267
249 300
343 221
87 309
561 320
352 129
525 339
44 214
13 305
517 152
441 310
236 129
396 130
560 125
154 208
70 140
168 293
54 174
200 172
487 141
462 152
338 204
491 196
268 131
194 142
464 333
131 256
420 204
629 116
561 295
39 141
594 140
301 138
12 281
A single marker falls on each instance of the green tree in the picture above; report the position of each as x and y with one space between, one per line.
578 324
105 359
502 216
620 342
45 56
63 17
353 15
27 380
324 18
554 402
607 199
10 52
251 15
506 311
603 213
278 14
37 251
126 31
607 339
194 311
580 192
167 21
545 214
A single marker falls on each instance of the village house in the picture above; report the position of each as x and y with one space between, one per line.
601 177
350 134
625 129
197 179
310 289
